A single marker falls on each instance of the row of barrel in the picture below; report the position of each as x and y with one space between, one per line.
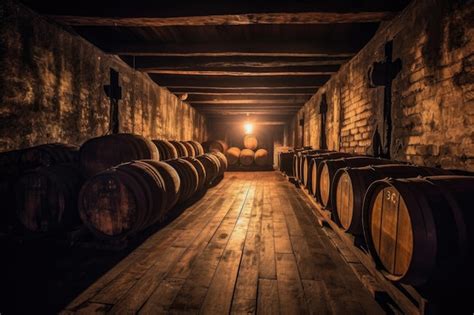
117 184
247 157
417 222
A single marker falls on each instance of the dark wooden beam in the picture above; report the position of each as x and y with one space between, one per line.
239 82
210 90
196 99
254 72
331 48
249 112
245 63
147 8
241 118
230 19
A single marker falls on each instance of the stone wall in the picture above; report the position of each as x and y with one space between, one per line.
52 89
432 96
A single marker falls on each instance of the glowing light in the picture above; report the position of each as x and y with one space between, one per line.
248 127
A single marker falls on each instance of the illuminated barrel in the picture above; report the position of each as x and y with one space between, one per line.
421 230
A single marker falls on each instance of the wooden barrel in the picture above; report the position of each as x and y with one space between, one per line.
350 185
300 159
211 167
296 160
222 160
307 166
189 178
217 145
46 198
200 170
421 230
314 162
101 153
123 200
198 149
233 155
250 142
189 148
261 157
246 157
166 150
328 168
171 180
48 154
180 148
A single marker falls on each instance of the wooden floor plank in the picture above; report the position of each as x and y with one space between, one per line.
245 293
219 296
161 299
194 290
268 302
144 288
317 297
290 289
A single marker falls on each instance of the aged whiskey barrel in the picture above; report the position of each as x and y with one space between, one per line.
218 145
222 160
98 154
171 180
198 149
314 163
48 154
166 150
261 157
307 164
299 161
46 198
421 230
180 148
201 171
211 166
246 157
233 155
350 185
188 176
250 142
123 200
189 148
327 169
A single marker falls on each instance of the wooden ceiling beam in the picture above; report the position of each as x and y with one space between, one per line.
255 72
251 113
196 95
228 19
339 49
147 8
236 62
247 102
238 81
193 98
213 90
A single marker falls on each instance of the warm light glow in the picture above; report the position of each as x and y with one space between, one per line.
248 127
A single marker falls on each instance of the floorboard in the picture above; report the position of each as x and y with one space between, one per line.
250 245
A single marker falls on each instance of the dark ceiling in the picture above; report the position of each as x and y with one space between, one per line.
232 58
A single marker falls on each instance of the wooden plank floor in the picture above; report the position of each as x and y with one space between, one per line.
250 245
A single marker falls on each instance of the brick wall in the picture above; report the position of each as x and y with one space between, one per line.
432 96
51 89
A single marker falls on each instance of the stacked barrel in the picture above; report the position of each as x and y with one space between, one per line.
38 187
118 185
417 222
246 157
129 197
